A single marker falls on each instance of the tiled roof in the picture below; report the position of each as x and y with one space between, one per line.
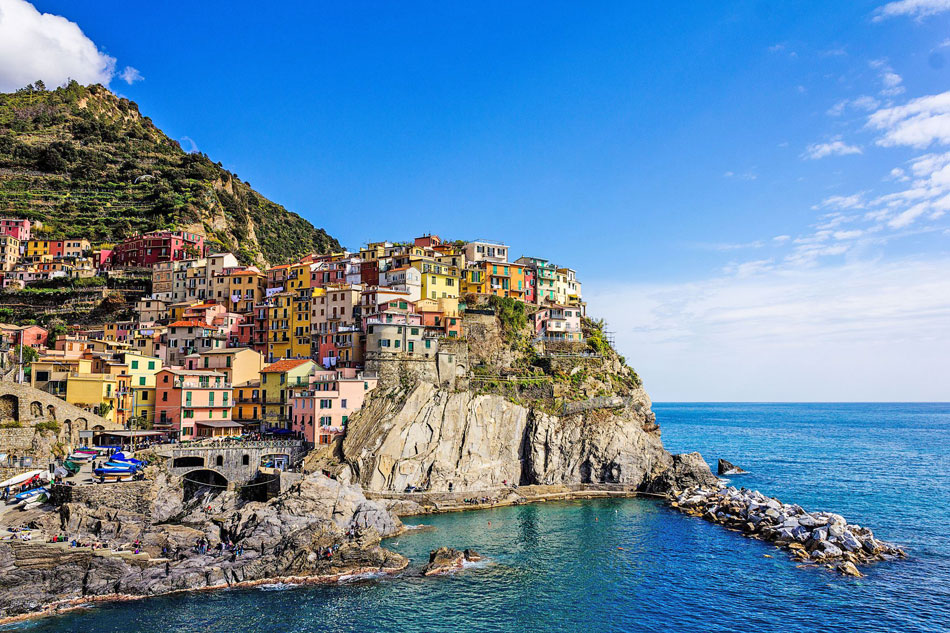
285 365
188 324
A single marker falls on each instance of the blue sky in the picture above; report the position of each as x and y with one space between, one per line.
754 195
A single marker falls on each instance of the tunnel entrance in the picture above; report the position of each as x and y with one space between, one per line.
188 462
203 480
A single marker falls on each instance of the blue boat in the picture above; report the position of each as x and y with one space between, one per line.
29 494
120 457
122 465
113 471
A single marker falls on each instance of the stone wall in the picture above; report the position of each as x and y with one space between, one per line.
129 495
29 406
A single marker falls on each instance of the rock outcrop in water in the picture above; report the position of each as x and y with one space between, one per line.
318 529
446 560
810 537
728 468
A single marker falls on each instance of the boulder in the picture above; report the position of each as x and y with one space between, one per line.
848 569
727 468
443 560
472 556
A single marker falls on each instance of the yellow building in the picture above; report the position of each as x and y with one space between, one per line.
474 281
50 372
277 381
278 326
90 391
142 370
439 281
9 252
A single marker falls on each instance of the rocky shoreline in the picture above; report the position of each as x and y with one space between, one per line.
811 538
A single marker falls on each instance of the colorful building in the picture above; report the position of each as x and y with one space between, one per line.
19 229
277 380
321 410
193 403
143 251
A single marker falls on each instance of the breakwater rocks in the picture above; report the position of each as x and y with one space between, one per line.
821 538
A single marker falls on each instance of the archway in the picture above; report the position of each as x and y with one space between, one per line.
203 481
51 412
36 410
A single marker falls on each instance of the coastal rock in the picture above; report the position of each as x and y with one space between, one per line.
472 556
319 528
821 536
430 438
848 569
443 560
727 468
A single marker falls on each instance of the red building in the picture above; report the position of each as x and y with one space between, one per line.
142 251
530 285
428 241
369 272
19 229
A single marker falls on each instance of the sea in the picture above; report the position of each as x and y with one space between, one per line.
637 565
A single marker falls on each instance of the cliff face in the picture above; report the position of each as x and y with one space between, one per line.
433 437
574 419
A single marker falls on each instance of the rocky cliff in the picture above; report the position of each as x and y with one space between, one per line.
286 537
543 417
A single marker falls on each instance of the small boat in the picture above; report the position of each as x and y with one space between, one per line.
81 457
29 494
122 465
20 479
122 458
71 466
35 502
112 471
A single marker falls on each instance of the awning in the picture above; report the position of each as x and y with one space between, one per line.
220 424
132 433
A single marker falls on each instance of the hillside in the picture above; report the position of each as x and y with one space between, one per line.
86 163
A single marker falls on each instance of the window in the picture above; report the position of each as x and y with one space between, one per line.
165 378
144 396
164 396
151 364
135 364
414 331
343 403
224 398
326 404
428 343
188 413
141 381
245 460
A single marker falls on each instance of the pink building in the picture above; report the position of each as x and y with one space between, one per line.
143 251
194 403
558 323
320 412
19 229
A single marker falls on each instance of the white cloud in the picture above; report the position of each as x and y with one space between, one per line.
748 175
918 9
781 239
48 47
130 75
835 147
866 330
855 201
918 123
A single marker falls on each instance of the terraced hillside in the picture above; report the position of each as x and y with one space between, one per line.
86 163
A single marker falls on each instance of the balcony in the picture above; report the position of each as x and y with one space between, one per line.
190 384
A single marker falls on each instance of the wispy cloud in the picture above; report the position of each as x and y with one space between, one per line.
835 329
919 123
834 147
746 175
130 75
917 9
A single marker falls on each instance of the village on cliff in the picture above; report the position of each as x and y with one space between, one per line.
219 349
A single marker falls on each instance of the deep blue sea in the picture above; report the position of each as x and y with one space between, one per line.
635 565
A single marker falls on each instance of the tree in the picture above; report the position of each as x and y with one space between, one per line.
29 354
39 85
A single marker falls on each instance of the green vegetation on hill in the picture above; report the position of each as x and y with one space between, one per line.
86 163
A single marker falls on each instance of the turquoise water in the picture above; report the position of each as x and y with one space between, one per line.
634 565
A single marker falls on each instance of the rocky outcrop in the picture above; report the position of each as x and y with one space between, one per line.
446 560
810 537
727 468
431 438
319 529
